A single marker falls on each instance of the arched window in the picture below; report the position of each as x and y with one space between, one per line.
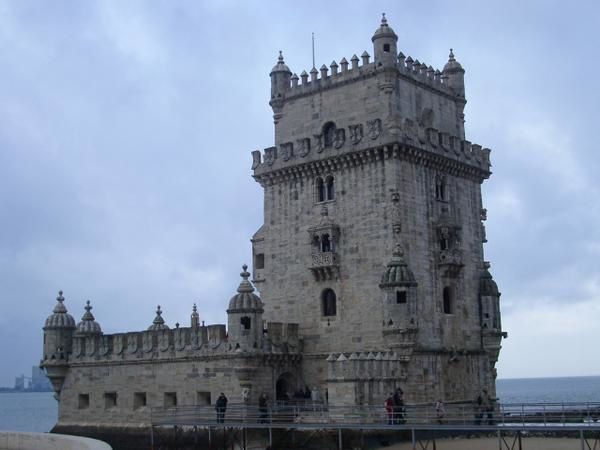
330 188
386 48
321 190
448 300
328 300
328 134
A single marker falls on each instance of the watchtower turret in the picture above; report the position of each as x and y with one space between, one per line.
384 44
454 75
281 76
245 324
58 343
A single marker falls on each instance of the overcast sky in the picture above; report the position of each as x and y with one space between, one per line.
125 137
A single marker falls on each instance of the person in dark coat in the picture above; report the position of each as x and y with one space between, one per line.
221 407
263 408
398 406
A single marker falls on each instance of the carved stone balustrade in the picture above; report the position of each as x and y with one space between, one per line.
324 265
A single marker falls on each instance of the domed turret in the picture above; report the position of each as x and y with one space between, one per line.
88 324
281 76
58 343
244 314
399 287
490 300
454 75
384 44
158 323
397 272
58 331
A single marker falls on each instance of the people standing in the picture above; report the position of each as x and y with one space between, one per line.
389 408
440 411
398 400
487 406
263 408
478 409
221 407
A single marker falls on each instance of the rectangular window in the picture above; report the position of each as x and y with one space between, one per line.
259 261
400 297
83 401
202 398
170 399
110 400
139 400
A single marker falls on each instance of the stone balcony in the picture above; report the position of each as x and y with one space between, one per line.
324 265
450 261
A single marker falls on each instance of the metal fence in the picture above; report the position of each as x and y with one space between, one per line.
420 421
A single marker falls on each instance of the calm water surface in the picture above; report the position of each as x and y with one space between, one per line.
28 411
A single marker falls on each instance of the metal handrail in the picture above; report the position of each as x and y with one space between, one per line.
544 415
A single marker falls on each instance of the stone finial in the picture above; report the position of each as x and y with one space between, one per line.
334 68
245 285
324 70
401 59
344 64
365 58
354 61
60 307
304 77
383 20
294 80
451 56
313 74
158 320
195 318
398 252
88 312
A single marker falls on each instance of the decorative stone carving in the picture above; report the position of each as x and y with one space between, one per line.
374 128
410 131
163 341
246 395
104 345
256 156
340 138
179 340
319 147
287 151
147 342
132 343
303 147
270 155
356 133
118 344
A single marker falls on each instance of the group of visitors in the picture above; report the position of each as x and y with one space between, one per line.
396 412
394 406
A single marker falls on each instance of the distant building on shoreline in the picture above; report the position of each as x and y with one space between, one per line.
370 262
38 382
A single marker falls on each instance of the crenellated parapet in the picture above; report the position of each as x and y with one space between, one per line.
337 75
352 144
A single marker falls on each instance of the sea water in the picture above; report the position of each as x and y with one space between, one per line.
28 411
38 411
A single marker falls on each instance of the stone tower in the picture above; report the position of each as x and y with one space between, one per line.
373 228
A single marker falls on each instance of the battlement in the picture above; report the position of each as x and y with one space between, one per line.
335 75
409 137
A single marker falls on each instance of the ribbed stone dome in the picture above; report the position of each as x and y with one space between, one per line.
245 300
397 272
88 324
487 285
158 323
280 66
384 30
59 317
452 65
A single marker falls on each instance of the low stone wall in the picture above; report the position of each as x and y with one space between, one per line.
10 440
